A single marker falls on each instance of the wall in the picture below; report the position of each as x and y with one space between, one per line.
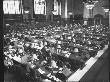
49 9
63 8
74 6
97 9
78 7
109 19
29 3
49 3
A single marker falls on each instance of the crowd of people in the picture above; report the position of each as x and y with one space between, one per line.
52 51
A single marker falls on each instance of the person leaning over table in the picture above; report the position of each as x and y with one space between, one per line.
25 60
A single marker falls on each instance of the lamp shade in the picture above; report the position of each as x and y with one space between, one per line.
27 44
59 42
45 43
58 46
46 80
76 50
20 50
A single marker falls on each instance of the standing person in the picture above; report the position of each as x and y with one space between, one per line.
25 15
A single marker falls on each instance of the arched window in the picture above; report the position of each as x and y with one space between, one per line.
12 7
57 7
40 7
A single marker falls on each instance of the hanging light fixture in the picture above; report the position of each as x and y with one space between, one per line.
90 3
105 9
95 1
41 2
89 6
26 11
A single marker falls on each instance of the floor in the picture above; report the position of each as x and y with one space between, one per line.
99 72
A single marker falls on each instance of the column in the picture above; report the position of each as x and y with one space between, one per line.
89 13
49 9
66 9
72 1
109 19
59 6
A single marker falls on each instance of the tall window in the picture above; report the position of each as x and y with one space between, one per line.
40 7
57 7
12 7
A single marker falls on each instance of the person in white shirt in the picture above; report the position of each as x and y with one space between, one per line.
53 64
24 61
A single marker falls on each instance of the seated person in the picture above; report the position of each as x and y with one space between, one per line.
60 63
53 64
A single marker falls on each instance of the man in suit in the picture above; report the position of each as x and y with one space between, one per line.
25 15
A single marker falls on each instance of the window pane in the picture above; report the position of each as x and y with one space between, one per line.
55 7
11 7
39 6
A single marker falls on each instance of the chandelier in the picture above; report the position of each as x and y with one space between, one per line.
26 11
89 6
95 1
106 9
41 2
90 3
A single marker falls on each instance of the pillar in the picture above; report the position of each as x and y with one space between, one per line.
49 9
66 10
109 18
